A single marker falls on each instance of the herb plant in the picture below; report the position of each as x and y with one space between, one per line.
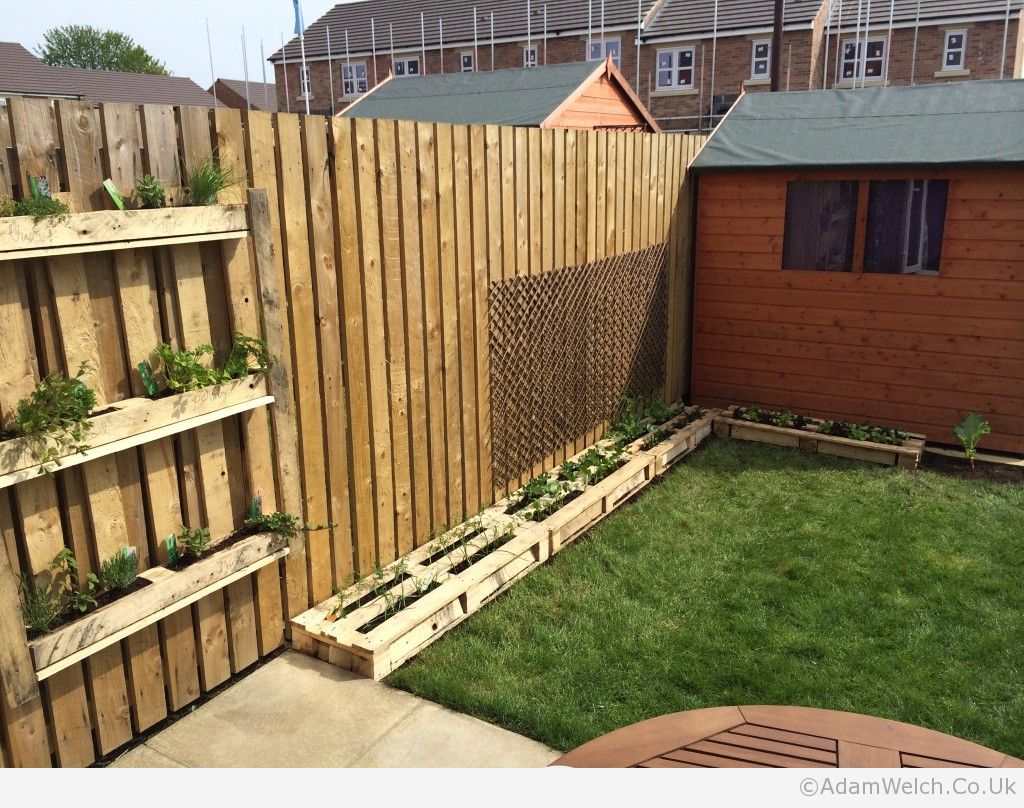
41 207
120 570
969 432
190 369
208 179
186 370
192 542
282 524
41 607
247 354
54 418
150 192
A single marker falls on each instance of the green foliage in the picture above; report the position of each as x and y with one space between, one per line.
969 432
593 465
40 605
208 179
282 524
41 207
150 192
6 206
191 542
190 369
825 427
54 418
120 570
784 419
44 604
855 432
95 49
752 413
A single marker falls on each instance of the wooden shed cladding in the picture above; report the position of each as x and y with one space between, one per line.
914 351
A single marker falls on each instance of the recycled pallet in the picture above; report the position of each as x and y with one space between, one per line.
907 456
452 577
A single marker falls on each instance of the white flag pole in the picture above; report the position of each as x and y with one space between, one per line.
476 50
492 41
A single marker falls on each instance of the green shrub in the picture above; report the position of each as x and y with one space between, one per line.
120 570
41 207
150 192
54 418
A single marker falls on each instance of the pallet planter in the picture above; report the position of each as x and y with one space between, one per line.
907 456
479 569
168 591
136 421
25 237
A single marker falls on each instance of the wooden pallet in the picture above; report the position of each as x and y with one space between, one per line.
907 456
462 591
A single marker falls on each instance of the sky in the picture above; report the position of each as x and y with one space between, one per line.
174 31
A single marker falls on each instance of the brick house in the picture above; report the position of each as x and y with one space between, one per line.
685 63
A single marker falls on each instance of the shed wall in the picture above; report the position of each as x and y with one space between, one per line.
914 351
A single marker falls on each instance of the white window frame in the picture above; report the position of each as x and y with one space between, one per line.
947 50
602 53
354 79
305 83
462 62
754 59
529 55
860 64
674 68
405 61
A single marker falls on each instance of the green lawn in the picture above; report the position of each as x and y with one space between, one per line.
755 575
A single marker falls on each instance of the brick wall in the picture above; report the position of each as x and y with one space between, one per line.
803 53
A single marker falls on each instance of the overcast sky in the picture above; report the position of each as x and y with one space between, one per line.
174 31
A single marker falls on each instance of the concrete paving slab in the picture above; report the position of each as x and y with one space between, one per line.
297 711
142 757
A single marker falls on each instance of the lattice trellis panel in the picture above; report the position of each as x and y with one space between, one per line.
566 346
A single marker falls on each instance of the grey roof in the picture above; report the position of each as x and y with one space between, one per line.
21 73
403 17
975 123
905 11
681 18
522 96
261 96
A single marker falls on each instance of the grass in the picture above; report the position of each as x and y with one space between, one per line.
757 575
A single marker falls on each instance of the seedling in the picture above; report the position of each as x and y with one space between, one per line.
826 427
784 419
191 369
247 354
120 570
150 192
752 414
969 432
191 542
208 179
54 418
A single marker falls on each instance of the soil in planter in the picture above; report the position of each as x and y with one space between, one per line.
839 429
184 561
542 513
400 604
450 548
375 593
959 467
105 598
483 552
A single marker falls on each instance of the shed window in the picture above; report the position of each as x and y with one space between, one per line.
955 50
905 226
761 60
821 225
675 69
305 85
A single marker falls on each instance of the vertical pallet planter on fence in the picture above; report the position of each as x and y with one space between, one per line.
488 554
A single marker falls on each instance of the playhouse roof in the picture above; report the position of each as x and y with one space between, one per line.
971 123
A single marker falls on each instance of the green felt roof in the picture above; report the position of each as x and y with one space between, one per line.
523 96
969 123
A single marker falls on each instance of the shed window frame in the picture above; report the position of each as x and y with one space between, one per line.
860 64
406 63
529 55
351 80
669 63
948 50
755 59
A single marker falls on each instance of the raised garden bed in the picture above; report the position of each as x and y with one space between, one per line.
377 625
165 592
26 237
136 421
811 438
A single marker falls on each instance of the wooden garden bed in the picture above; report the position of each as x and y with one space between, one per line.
168 591
136 421
502 549
26 237
906 456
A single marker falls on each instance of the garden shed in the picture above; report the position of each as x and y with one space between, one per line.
860 256
583 95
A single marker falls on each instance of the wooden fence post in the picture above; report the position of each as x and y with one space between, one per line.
16 671
282 413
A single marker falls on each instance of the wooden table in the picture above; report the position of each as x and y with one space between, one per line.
779 737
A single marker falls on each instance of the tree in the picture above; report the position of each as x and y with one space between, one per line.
91 48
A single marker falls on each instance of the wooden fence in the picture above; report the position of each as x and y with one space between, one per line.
383 238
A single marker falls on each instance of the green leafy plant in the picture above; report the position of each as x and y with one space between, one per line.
185 370
41 607
247 354
856 432
76 597
120 570
150 192
192 542
969 432
282 524
41 207
44 604
825 427
784 419
752 413
190 369
54 418
208 179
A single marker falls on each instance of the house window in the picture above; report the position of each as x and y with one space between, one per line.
466 62
305 86
905 224
675 69
353 79
761 60
406 67
857 67
600 51
821 225
955 51
529 56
